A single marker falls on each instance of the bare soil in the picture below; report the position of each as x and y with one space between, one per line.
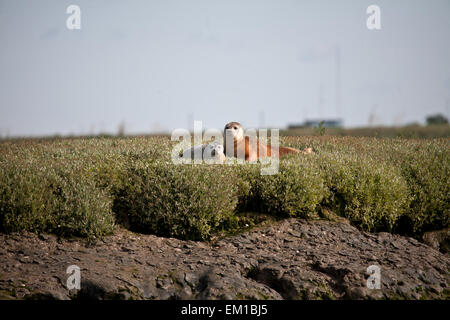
291 259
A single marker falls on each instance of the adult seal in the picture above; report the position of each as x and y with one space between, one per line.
251 149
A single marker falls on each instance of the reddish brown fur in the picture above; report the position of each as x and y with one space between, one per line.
250 149
250 153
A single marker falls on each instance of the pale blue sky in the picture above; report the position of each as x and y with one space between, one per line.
158 65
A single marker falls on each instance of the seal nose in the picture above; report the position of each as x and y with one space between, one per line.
213 153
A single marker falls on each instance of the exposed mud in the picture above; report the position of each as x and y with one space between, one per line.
291 259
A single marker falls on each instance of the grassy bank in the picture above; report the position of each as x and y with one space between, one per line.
84 187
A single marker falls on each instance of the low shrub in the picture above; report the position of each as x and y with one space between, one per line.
60 199
371 194
297 189
183 201
426 168
246 179
81 186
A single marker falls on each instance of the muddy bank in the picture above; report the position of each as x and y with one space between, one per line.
291 259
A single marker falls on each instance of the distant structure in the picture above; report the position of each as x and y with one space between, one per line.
372 116
121 129
330 123
337 84
335 52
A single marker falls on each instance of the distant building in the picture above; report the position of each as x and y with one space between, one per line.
331 123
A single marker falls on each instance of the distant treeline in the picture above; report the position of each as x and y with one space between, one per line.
412 131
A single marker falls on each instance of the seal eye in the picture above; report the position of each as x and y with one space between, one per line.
235 128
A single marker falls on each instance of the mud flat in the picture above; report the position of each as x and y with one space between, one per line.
291 259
